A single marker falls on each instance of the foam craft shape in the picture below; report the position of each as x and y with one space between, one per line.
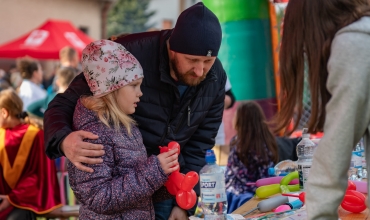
272 189
301 196
351 185
282 208
353 201
361 186
273 180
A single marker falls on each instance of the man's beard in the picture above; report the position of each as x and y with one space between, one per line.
186 78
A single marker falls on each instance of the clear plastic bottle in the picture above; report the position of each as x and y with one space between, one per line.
305 151
212 189
283 168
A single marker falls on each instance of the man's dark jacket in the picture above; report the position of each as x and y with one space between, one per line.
161 114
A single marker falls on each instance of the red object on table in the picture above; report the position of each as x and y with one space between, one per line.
298 133
353 201
301 196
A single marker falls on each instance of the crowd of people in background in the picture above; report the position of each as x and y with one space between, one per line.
24 97
28 79
186 89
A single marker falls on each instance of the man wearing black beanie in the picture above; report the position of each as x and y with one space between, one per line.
197 32
183 100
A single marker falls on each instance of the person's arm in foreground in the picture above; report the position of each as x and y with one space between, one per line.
59 138
347 118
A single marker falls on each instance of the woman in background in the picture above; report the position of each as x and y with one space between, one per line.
30 90
333 37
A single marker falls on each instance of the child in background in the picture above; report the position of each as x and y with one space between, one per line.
68 58
28 182
122 187
252 151
63 78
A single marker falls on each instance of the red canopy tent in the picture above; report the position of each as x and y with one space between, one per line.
45 41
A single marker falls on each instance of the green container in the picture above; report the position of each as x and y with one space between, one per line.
246 56
237 10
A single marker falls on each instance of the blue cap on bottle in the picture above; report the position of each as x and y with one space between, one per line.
210 156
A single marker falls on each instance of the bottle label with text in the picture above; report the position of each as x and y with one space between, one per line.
303 171
212 188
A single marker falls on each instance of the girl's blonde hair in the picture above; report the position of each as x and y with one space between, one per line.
14 105
11 102
108 111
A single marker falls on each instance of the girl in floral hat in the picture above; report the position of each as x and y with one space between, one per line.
122 187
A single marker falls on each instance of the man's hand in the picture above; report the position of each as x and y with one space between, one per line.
4 203
178 214
78 151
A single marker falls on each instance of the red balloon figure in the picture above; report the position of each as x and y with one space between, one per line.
181 185
353 201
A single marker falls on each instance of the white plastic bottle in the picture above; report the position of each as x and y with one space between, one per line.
283 168
305 151
212 189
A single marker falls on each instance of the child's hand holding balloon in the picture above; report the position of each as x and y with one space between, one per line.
178 184
168 161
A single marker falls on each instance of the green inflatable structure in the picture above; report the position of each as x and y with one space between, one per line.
246 50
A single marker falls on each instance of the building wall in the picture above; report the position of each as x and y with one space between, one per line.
167 11
18 17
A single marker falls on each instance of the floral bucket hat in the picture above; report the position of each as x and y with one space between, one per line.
108 66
